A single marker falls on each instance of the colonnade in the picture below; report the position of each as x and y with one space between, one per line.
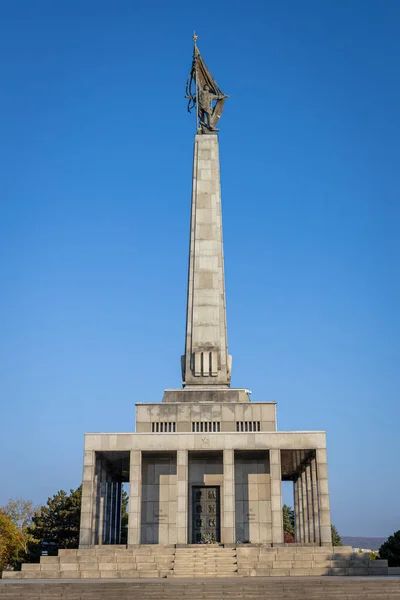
311 498
106 518
102 499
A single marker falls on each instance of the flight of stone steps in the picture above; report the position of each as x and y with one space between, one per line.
198 561
205 561
246 588
306 561
147 561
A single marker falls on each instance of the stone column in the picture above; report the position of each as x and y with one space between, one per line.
115 511
96 500
301 509
135 497
228 505
314 488
118 512
296 500
310 505
305 505
296 511
323 498
101 516
276 496
182 497
88 499
108 510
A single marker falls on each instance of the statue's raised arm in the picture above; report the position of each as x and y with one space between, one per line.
204 94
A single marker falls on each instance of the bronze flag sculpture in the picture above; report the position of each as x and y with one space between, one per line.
202 91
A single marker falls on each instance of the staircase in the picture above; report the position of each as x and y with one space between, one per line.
147 561
205 561
254 588
306 561
200 561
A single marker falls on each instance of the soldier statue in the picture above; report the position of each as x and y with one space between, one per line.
207 96
206 108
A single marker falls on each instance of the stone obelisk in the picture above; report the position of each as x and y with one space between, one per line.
206 361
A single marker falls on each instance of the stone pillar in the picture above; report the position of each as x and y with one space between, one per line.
296 500
276 496
323 498
96 500
135 497
88 499
305 505
101 516
314 488
301 509
310 505
182 497
118 512
228 504
108 510
115 512
296 511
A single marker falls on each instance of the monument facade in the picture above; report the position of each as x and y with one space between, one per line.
206 463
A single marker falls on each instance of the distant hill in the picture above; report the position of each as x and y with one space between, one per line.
373 543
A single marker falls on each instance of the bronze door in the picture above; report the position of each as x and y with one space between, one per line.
206 514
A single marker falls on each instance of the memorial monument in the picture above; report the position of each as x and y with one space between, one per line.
205 464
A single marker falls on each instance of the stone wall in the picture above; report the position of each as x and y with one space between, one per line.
158 506
227 414
253 518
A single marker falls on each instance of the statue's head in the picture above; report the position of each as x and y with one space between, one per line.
206 88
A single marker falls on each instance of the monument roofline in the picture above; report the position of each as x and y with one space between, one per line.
215 435
205 402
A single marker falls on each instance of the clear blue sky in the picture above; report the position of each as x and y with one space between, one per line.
95 182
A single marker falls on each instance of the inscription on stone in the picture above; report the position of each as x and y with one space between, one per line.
250 515
160 516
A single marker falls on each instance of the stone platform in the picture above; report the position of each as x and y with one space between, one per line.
258 588
199 561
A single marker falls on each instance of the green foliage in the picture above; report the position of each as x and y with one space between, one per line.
288 519
374 555
390 550
124 517
12 542
336 539
20 512
58 521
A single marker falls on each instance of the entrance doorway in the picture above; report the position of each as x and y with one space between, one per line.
206 514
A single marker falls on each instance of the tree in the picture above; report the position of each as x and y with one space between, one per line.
288 519
20 512
12 542
390 550
336 539
59 520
